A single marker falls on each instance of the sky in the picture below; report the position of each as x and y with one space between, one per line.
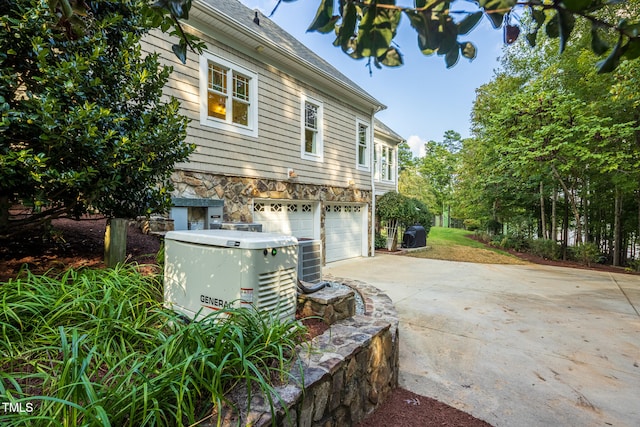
424 99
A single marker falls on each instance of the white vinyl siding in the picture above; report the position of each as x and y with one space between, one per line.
279 119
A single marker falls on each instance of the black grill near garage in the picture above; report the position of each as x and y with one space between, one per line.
414 237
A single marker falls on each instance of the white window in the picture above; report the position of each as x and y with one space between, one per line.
362 145
384 163
228 96
312 129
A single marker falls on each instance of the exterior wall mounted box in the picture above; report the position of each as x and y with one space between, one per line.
206 270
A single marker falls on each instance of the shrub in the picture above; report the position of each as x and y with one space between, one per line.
397 210
483 236
406 210
545 248
587 253
494 227
471 224
96 348
380 241
510 241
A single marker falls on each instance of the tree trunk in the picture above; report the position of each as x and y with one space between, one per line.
617 232
115 242
4 214
585 204
565 231
392 235
573 203
543 222
554 220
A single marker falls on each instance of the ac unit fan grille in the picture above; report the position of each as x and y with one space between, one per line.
310 261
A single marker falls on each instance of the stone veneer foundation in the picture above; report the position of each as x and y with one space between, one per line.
239 193
348 371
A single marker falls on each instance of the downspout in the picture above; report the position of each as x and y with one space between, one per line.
372 237
397 167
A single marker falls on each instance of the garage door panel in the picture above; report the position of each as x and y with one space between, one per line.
291 218
343 231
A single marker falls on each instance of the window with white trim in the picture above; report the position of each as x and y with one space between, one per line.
228 96
312 129
362 144
384 163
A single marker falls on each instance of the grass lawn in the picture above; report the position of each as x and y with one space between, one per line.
453 244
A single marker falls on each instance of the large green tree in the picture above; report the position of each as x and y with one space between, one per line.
439 167
564 136
83 124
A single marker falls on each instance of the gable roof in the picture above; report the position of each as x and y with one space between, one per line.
236 20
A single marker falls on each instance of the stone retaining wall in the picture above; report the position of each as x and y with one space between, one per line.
348 371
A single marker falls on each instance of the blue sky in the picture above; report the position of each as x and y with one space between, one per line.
423 98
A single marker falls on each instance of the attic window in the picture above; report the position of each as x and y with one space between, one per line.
228 96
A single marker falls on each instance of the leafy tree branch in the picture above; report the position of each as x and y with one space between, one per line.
367 28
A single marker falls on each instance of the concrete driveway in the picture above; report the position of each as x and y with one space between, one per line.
514 345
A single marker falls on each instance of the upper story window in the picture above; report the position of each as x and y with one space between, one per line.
312 129
384 163
228 96
363 136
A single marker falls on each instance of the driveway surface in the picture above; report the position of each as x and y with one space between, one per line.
514 345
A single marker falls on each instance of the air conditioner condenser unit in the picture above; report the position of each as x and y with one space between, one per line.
207 270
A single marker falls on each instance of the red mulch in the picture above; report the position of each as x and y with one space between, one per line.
71 244
406 409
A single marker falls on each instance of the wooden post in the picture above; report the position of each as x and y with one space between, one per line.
115 241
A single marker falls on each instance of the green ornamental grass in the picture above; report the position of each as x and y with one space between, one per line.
96 347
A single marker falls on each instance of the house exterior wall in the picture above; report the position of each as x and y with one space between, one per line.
277 147
242 167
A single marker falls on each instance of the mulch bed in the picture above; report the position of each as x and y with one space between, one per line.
406 409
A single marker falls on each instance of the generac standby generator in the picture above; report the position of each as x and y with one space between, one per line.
206 270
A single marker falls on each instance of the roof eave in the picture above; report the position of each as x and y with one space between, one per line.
302 66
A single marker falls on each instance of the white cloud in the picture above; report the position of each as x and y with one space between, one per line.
417 145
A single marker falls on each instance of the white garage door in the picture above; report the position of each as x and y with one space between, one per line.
286 217
344 231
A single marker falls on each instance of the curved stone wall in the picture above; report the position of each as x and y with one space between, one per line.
348 371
